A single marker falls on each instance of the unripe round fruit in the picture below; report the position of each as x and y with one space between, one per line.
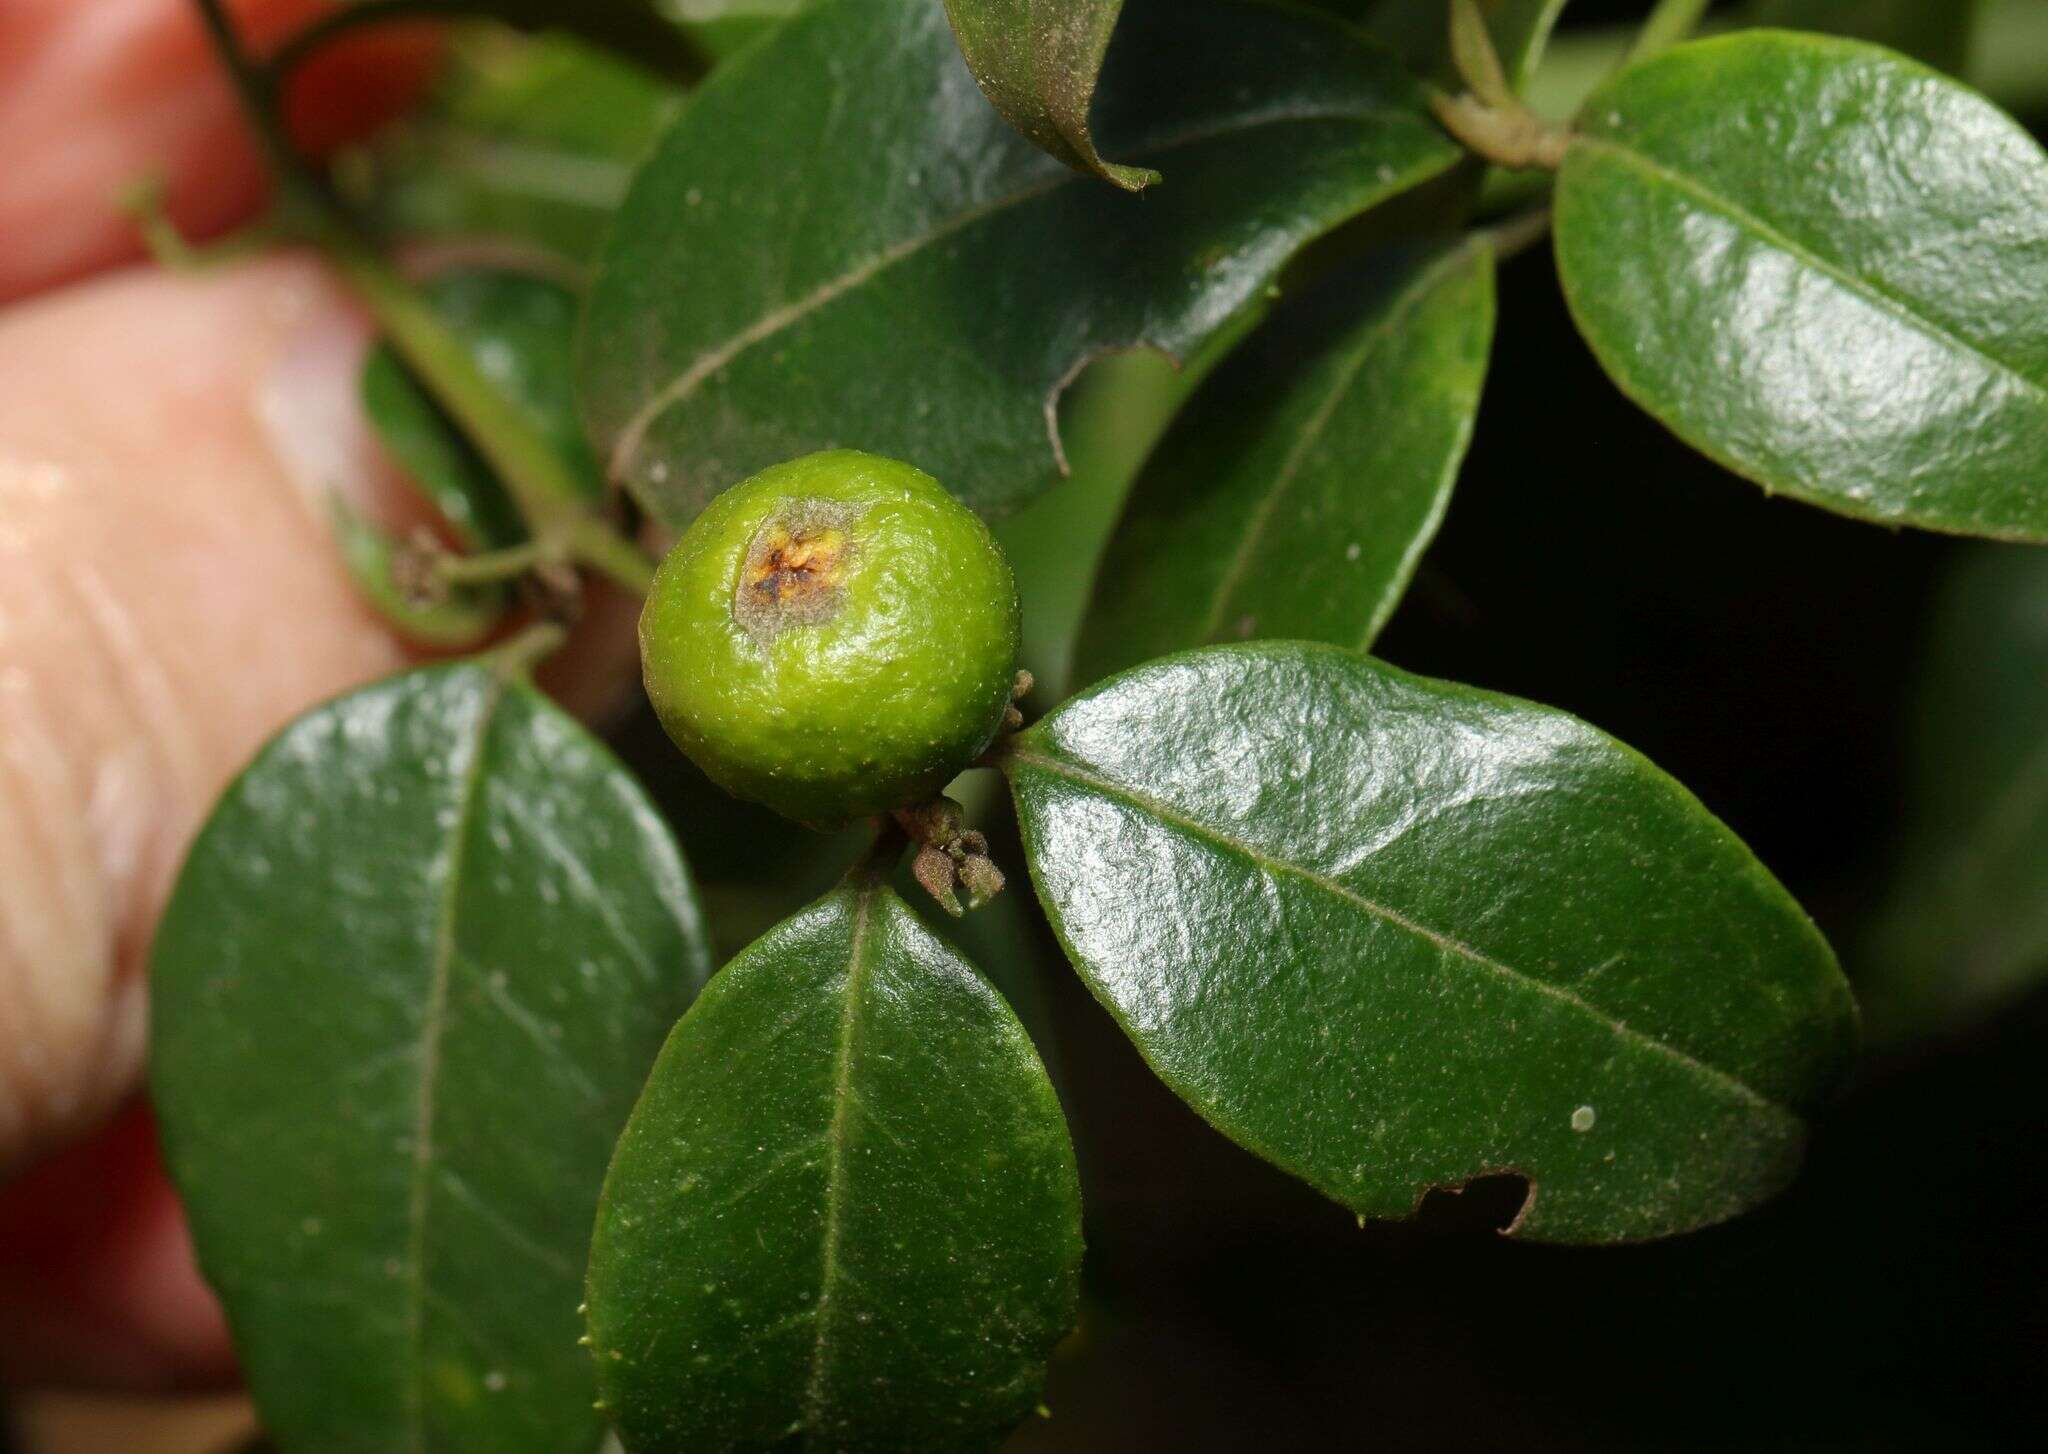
835 637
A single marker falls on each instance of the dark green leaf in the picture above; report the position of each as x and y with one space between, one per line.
1037 62
1822 265
410 981
520 330
914 278
721 31
1966 926
1935 31
1392 933
1294 494
531 141
844 1214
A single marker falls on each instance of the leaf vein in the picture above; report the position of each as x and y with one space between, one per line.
514 1236
433 1025
711 360
1449 944
829 1272
1900 308
582 882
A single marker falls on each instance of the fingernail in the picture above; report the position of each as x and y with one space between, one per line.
309 404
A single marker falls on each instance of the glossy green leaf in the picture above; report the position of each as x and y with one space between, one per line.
844 1215
442 465
527 141
1935 31
1821 264
1037 62
1391 933
1965 928
1296 491
813 258
408 986
520 330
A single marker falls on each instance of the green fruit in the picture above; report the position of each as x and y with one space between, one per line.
835 637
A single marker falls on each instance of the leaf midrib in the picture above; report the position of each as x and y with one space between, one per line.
1900 308
845 1046
432 1028
1712 1075
776 320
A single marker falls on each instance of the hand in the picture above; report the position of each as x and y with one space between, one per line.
169 596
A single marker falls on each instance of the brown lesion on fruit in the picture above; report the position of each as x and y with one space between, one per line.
795 568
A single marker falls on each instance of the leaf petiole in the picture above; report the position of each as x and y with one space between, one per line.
169 248
515 658
878 860
543 486
1671 22
1517 234
493 566
1488 118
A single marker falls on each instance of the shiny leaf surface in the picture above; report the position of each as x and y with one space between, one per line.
1937 33
406 991
844 1215
919 280
1296 491
1391 933
1965 928
1037 62
1821 264
520 330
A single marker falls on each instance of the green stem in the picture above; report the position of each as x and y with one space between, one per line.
595 544
1474 56
1519 233
546 491
516 658
542 485
1671 22
143 201
491 567
878 860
